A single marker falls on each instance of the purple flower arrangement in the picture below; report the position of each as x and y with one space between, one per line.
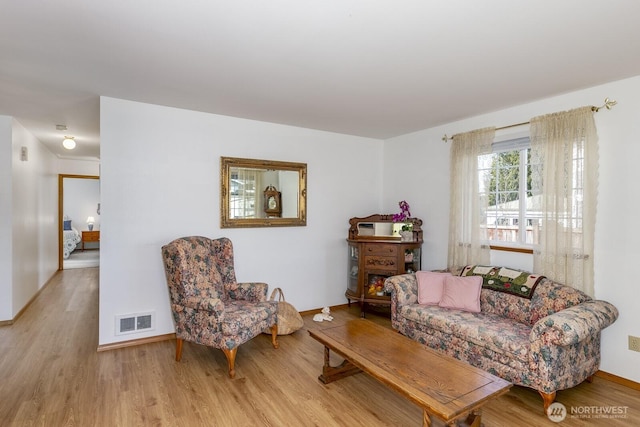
404 212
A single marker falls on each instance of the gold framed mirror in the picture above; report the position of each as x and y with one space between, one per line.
248 187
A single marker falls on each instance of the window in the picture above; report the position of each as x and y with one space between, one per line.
513 212
242 200
535 191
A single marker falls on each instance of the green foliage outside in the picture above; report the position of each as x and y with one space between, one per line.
504 181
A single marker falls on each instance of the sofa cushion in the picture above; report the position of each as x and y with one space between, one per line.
506 305
493 332
507 280
462 293
246 318
430 286
501 364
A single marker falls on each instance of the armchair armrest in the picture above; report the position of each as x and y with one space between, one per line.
403 288
212 305
188 312
248 291
574 324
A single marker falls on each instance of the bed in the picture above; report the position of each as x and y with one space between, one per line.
70 239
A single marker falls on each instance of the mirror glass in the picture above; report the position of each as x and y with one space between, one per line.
380 228
262 193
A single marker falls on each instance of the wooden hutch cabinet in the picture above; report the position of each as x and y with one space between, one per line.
376 251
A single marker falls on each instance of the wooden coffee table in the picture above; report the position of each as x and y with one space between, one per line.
441 385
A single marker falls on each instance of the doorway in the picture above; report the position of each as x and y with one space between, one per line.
78 221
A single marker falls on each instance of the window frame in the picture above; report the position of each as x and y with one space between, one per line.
520 144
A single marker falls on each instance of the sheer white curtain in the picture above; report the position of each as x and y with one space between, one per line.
565 148
468 242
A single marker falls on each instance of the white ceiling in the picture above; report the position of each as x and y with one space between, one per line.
371 68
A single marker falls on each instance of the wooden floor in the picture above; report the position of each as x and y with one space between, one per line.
52 375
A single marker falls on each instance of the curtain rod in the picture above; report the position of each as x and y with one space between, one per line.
608 103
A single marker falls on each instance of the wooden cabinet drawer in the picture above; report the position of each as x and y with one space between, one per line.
386 263
90 236
385 250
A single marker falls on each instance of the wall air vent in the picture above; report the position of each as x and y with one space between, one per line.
137 322
127 324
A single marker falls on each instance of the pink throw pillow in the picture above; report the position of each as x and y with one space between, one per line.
430 286
462 293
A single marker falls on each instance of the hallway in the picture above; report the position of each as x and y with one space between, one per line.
82 259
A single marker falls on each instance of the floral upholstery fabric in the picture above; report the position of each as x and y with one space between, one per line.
191 270
551 297
548 343
505 305
221 251
207 304
248 291
242 317
498 334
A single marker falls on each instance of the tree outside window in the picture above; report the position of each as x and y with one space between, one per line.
505 179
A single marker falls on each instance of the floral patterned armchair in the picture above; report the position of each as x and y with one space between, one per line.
209 307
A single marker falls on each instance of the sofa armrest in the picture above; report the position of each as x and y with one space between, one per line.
403 288
574 324
247 291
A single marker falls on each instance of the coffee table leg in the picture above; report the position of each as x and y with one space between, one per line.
426 419
333 373
473 420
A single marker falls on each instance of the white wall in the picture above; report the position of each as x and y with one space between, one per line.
28 214
34 201
6 220
81 198
79 167
417 169
160 180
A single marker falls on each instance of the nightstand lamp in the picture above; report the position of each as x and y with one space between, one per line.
90 222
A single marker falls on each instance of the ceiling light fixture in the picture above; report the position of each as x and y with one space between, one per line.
69 143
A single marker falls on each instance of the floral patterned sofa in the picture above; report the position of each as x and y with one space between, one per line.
548 341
